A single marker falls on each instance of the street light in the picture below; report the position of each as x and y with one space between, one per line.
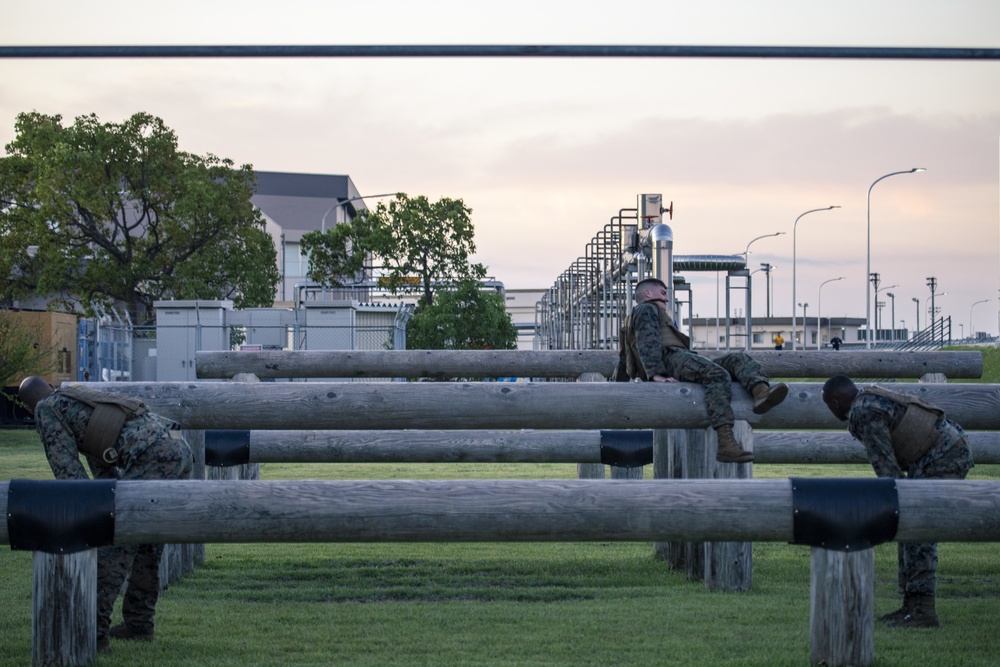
341 202
803 306
819 311
971 330
917 301
758 239
767 268
868 267
877 316
893 312
794 225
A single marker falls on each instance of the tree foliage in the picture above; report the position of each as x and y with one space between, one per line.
21 353
462 319
416 244
103 212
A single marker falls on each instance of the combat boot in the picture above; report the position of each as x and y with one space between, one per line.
730 450
920 615
900 613
766 396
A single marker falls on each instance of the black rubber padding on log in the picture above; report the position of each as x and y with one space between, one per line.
626 448
844 514
60 516
227 448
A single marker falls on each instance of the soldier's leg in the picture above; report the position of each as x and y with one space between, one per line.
745 370
139 603
113 565
688 367
718 388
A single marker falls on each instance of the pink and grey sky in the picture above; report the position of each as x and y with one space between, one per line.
546 151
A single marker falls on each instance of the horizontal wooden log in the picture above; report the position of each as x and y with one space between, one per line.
513 510
542 446
446 364
515 405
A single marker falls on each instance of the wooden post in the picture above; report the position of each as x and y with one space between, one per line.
695 467
668 451
590 470
842 608
728 565
64 608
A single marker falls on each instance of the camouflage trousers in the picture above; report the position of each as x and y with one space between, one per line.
716 377
168 458
918 562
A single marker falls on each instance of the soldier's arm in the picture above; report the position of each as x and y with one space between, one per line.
648 343
60 445
870 425
620 374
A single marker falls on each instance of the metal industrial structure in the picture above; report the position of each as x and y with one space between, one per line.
586 306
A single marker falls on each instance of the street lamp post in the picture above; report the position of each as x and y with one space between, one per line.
794 226
805 325
878 316
917 301
746 259
766 268
971 330
819 314
868 267
932 283
893 312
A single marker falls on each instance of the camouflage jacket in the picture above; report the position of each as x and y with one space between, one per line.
61 423
647 334
872 419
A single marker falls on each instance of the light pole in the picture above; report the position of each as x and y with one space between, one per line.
766 268
819 315
878 317
803 306
341 202
746 259
932 283
917 301
971 330
868 266
893 311
794 226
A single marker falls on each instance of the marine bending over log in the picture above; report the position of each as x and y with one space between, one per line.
120 439
904 437
652 348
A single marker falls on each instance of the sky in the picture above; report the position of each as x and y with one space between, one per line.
546 151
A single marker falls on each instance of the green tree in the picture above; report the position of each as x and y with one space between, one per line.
464 318
21 354
417 244
103 212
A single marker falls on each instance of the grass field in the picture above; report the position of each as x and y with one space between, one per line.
504 604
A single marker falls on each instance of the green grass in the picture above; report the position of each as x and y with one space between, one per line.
504 604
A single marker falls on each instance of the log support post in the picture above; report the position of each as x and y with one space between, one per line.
728 566
590 470
842 608
64 609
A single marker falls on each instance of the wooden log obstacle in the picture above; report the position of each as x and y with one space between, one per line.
796 511
620 448
445 364
520 405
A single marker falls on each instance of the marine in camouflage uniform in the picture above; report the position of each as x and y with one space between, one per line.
149 447
652 348
874 415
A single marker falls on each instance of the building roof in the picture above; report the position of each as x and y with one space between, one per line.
297 202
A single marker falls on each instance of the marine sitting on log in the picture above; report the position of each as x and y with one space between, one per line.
120 439
652 348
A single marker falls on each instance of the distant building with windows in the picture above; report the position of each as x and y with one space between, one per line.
709 333
292 205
